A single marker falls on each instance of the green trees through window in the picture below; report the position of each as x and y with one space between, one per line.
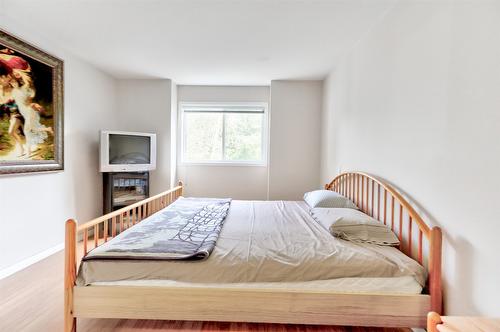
203 136
224 134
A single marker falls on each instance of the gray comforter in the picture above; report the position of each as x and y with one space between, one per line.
185 230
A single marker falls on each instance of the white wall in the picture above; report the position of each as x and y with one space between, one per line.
144 106
417 102
34 207
295 138
238 182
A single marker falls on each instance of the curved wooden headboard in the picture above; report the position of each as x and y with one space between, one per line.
382 202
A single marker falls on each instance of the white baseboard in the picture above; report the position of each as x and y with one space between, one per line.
29 261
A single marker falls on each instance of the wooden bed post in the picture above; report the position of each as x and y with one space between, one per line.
435 270
433 319
182 188
69 275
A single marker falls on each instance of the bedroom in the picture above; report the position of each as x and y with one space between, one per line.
406 91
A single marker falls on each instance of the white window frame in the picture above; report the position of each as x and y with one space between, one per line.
265 134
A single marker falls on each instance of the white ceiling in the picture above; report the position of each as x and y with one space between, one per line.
219 42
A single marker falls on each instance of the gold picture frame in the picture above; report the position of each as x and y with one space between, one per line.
31 108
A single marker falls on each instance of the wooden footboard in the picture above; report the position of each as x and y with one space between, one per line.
100 230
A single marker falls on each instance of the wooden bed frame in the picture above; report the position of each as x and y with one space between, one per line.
373 196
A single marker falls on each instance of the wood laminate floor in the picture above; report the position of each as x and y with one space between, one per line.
32 300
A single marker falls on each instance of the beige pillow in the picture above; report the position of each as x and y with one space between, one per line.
354 225
327 199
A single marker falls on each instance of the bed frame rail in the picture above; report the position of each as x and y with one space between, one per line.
384 203
286 306
100 230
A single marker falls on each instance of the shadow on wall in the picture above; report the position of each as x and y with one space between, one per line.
463 265
463 276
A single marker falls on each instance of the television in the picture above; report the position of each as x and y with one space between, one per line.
123 151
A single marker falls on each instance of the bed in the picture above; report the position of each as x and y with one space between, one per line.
256 274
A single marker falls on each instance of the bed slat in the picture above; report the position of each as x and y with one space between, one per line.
85 236
96 236
367 203
410 237
106 223
357 189
373 196
385 207
362 182
113 226
420 246
378 201
400 233
392 213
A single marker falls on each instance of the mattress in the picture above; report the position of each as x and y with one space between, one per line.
269 242
395 285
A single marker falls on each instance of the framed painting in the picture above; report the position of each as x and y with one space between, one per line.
31 108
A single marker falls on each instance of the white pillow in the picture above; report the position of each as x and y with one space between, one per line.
354 225
328 199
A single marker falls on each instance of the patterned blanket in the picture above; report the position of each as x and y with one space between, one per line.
185 230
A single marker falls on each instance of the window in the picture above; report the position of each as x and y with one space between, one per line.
224 133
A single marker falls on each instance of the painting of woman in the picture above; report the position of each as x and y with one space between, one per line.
30 108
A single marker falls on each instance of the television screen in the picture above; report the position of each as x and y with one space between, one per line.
129 149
